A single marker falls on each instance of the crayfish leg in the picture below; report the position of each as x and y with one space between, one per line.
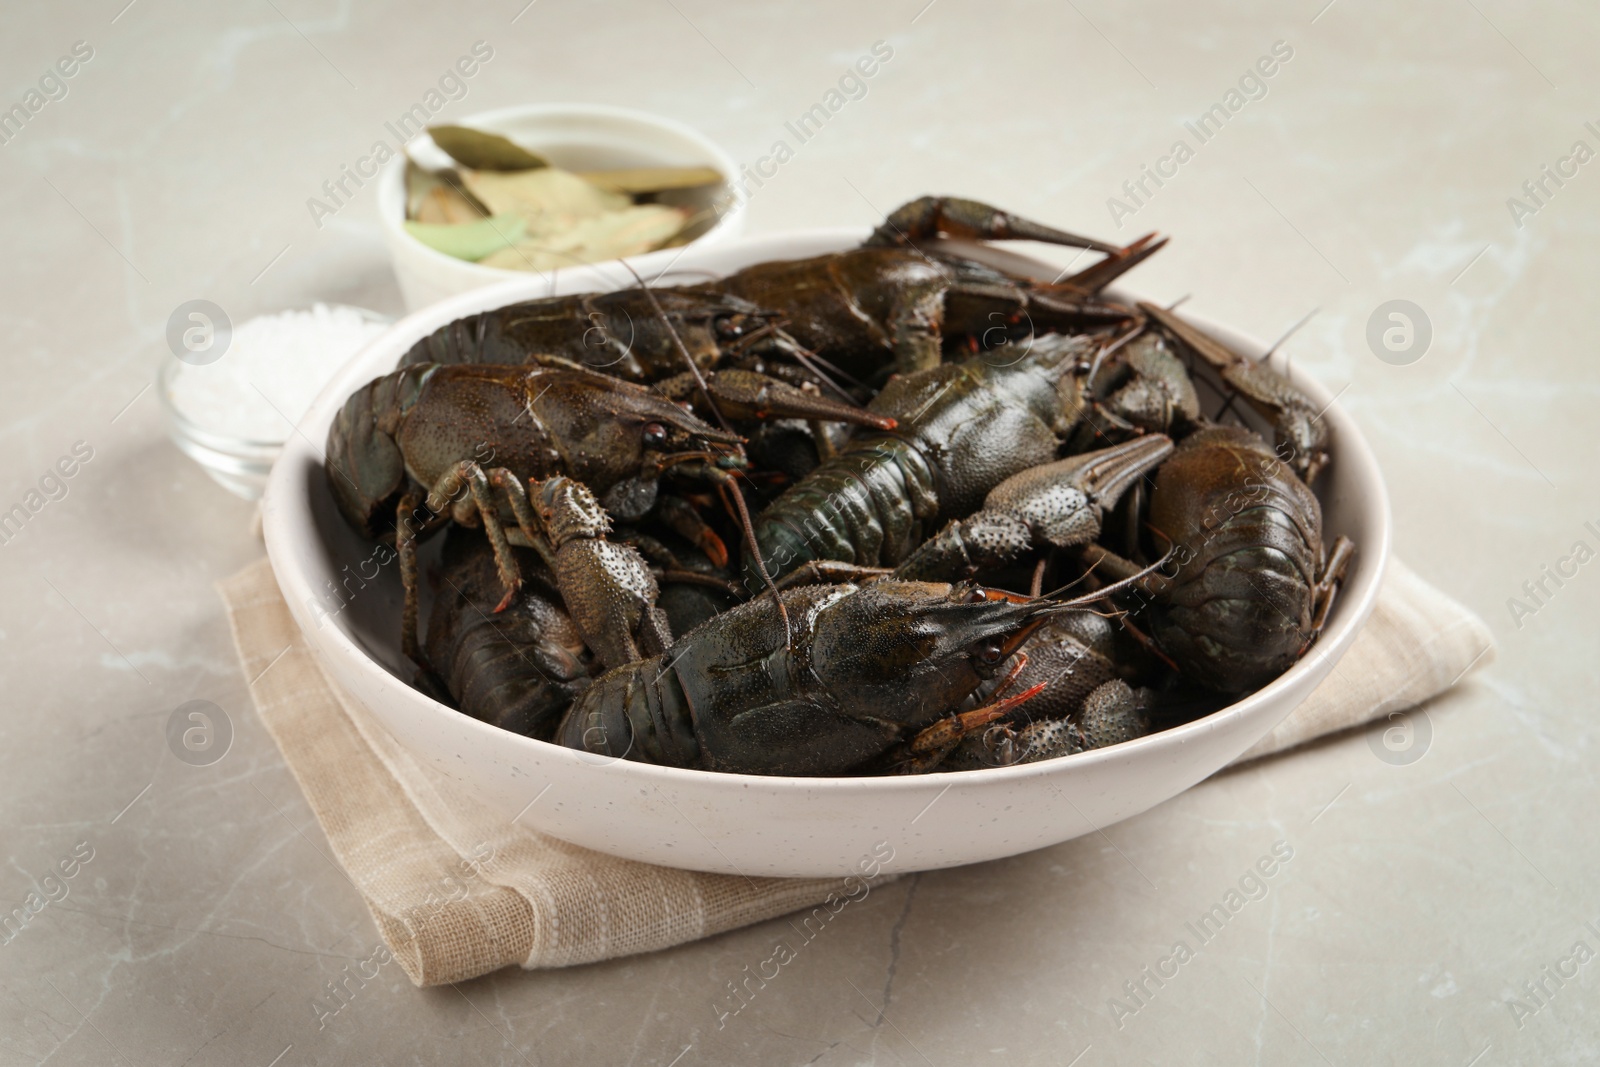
483 502
1150 581
405 543
982 541
929 747
528 523
1296 421
1036 584
1327 587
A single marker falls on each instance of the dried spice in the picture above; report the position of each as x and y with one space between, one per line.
470 240
506 207
481 150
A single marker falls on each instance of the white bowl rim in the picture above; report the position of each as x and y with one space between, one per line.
1351 448
391 183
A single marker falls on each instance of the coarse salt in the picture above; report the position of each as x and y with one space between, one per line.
274 366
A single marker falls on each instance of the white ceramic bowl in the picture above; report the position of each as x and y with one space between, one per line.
768 825
576 137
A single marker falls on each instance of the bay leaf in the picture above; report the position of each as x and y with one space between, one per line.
443 204
612 235
482 150
422 183
470 240
526 256
549 198
419 183
642 228
640 180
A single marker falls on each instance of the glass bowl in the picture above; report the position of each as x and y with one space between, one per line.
238 464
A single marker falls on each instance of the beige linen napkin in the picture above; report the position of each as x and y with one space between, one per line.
457 891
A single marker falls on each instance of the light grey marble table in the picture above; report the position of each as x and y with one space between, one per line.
1384 159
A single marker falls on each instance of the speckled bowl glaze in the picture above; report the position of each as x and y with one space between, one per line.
765 825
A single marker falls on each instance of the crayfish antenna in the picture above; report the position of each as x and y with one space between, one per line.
1290 332
677 343
729 488
1139 326
824 369
733 489
1136 579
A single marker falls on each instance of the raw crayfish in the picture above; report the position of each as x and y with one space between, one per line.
1250 584
519 668
865 670
969 463
429 444
889 304
962 429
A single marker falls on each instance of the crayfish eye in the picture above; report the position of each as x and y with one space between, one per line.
655 435
729 327
989 653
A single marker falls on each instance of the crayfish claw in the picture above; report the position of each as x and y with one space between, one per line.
930 216
682 517
930 746
513 587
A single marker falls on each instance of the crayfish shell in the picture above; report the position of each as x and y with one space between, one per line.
519 669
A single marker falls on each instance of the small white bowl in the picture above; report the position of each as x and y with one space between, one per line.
755 825
574 137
